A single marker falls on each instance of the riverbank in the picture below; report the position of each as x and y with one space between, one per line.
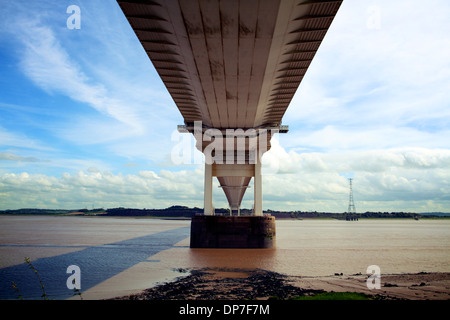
177 211
242 284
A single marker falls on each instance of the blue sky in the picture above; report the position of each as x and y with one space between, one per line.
86 122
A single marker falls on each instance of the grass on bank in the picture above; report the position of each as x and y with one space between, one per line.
335 296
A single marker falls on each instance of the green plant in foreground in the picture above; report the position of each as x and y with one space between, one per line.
44 294
77 292
13 284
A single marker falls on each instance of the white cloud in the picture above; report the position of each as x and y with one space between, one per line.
20 140
408 179
46 63
377 87
8 156
102 66
72 191
404 179
333 138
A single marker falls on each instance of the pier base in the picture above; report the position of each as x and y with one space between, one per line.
232 232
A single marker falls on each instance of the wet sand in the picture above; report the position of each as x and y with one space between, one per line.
417 286
242 284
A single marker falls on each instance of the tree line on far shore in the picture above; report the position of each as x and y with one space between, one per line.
186 212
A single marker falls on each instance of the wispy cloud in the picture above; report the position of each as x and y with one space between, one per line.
8 156
332 138
46 63
21 140
368 81
102 66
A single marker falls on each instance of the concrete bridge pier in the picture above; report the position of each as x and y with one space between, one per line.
255 232
234 231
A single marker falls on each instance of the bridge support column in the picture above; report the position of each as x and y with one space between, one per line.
258 189
235 231
208 195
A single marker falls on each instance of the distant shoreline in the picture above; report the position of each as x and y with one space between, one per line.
189 218
182 212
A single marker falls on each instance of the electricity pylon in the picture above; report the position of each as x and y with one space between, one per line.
351 204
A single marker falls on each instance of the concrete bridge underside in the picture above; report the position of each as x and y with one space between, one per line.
231 64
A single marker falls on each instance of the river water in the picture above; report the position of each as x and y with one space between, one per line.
119 256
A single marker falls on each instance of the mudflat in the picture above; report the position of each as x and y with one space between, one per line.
258 284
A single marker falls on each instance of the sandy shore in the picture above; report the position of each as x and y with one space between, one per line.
239 284
417 286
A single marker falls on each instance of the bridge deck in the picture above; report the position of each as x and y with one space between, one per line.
231 64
